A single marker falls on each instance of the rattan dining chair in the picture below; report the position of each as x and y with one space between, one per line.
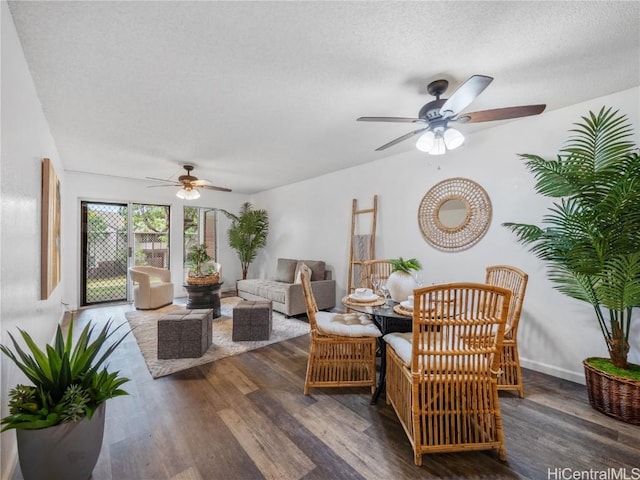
381 267
515 280
342 348
442 387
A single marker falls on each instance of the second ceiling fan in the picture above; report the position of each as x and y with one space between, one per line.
435 116
189 183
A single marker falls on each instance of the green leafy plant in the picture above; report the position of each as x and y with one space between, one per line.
247 234
590 237
69 381
197 257
406 266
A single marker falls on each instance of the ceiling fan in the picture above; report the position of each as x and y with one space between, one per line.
437 136
189 183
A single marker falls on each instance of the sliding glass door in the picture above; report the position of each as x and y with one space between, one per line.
115 236
105 247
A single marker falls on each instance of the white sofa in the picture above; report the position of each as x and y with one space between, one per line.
152 287
285 293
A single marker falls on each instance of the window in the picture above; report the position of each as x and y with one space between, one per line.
151 235
200 227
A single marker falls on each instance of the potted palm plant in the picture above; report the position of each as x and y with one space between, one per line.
401 282
247 234
590 239
59 419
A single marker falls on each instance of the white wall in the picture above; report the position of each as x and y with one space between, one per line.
556 332
84 187
26 139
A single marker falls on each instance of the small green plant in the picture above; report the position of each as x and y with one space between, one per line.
68 381
407 266
212 269
197 257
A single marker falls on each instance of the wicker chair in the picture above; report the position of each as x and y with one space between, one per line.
381 267
514 280
342 349
442 387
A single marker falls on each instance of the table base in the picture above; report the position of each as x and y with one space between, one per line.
204 296
386 325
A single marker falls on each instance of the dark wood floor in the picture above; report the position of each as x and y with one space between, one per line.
245 417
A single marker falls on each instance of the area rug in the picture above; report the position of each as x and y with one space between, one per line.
144 325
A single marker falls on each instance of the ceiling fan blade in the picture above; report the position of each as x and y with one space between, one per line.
160 180
206 184
390 119
464 95
402 138
165 185
501 113
213 187
200 183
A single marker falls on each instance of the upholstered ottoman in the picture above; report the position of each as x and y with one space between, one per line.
184 334
252 320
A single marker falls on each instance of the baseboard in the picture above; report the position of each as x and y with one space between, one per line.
576 377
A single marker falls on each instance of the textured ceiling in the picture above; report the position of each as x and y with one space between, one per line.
262 94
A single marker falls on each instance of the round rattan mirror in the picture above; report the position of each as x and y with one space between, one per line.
454 214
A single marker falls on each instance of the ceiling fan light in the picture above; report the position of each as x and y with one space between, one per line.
439 147
190 194
453 138
425 142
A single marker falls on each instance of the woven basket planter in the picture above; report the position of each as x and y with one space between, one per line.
616 397
205 280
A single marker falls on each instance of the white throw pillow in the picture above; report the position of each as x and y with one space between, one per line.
402 343
302 268
346 324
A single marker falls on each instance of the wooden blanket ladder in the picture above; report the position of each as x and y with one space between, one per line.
363 245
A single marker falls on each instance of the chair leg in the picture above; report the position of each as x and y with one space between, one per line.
310 360
416 416
512 366
372 373
307 380
520 385
511 373
517 370
502 454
